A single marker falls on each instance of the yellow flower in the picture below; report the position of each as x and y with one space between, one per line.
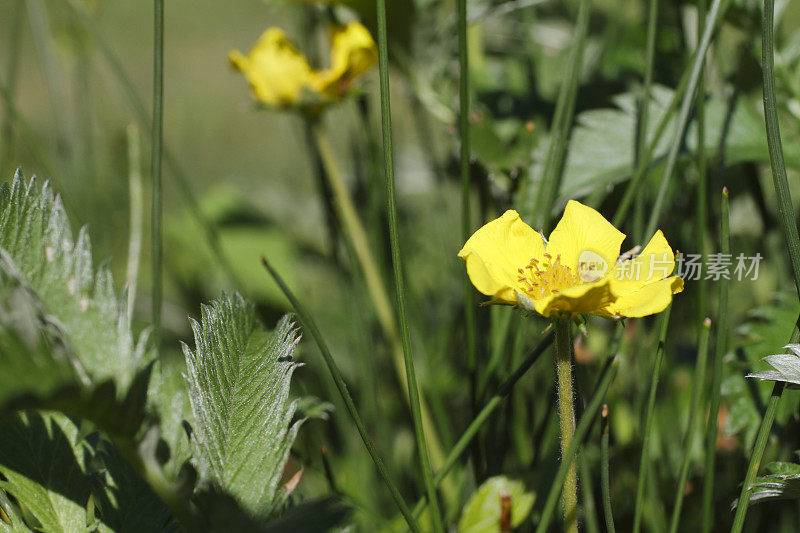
353 52
575 271
279 74
276 71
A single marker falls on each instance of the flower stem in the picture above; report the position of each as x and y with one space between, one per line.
566 414
592 408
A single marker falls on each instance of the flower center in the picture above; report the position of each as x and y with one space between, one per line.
540 279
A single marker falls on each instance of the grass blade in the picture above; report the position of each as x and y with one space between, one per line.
333 368
786 212
688 439
484 414
155 168
718 8
605 478
136 216
562 123
14 49
644 461
721 347
391 208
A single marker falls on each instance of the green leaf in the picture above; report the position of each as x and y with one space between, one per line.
42 461
239 376
34 355
786 365
602 144
36 234
482 512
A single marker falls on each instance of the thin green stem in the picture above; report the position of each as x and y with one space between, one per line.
644 103
155 169
143 116
391 208
10 81
644 460
758 453
45 49
721 347
562 122
136 215
466 214
644 160
702 174
581 431
336 374
484 414
605 476
715 15
566 416
779 180
689 437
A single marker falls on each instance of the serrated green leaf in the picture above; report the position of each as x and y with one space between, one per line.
482 512
36 234
239 376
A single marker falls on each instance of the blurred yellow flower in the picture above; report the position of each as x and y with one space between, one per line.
576 271
276 71
279 74
353 52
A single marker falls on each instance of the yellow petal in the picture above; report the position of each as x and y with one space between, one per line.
276 71
654 263
648 300
583 233
583 298
353 52
496 251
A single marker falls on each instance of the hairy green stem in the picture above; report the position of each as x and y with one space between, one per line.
720 348
581 431
338 379
566 415
644 460
391 209
688 439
